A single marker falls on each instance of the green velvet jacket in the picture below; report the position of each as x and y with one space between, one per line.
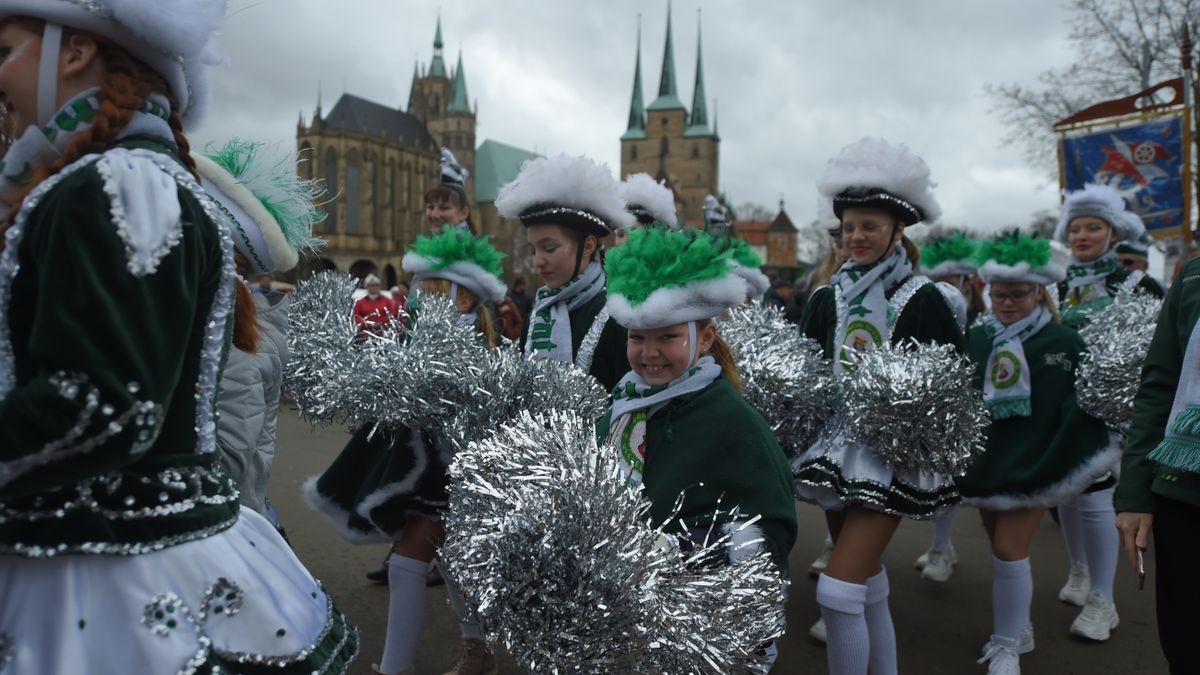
718 452
1140 477
609 363
99 432
1113 282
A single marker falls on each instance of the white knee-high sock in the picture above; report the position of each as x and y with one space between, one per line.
848 643
1100 538
879 625
1012 594
1072 530
466 617
943 525
406 612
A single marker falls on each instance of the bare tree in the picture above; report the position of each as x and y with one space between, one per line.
753 211
1043 222
1122 47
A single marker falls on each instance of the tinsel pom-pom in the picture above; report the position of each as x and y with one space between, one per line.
558 558
1109 373
419 377
784 376
915 406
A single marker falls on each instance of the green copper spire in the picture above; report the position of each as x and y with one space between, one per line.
668 92
637 109
437 67
698 124
459 101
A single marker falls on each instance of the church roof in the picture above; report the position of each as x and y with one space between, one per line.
783 223
353 114
668 91
437 67
698 121
637 110
459 101
495 165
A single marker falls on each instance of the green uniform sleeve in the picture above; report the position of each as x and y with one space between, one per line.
610 363
99 349
819 319
1152 405
927 318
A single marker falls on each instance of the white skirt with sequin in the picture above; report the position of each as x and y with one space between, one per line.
237 597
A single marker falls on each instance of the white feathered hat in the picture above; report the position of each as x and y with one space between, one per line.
574 192
458 256
1105 203
649 200
173 37
872 173
272 211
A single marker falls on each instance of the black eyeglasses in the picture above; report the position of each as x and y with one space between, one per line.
1010 298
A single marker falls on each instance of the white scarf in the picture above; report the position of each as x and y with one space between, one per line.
550 328
633 401
37 148
1086 290
1006 382
1180 447
865 318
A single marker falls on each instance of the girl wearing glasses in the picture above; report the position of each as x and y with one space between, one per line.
1094 221
875 190
1041 449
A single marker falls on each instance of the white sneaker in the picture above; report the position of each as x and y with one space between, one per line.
817 632
1075 591
822 561
939 565
1001 657
1097 620
1024 643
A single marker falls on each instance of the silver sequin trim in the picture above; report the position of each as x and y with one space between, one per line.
121 221
587 348
562 210
885 196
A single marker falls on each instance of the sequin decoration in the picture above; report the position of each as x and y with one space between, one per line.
1110 372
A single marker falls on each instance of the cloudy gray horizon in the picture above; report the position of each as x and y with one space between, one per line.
796 81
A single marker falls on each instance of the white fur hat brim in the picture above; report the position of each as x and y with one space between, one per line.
679 304
1105 203
950 268
478 280
757 283
1051 273
575 187
875 163
641 192
170 36
255 233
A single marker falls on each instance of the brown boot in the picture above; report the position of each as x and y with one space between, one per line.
475 660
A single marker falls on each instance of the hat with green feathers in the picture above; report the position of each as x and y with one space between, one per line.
1016 257
460 257
746 264
271 210
949 255
665 277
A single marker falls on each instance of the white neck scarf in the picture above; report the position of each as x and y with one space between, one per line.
550 327
1180 447
632 403
1086 290
1006 381
865 317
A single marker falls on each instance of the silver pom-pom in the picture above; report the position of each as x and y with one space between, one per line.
915 406
418 377
1109 373
784 375
557 557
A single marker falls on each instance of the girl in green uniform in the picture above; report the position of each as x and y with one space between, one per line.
1093 221
567 204
678 421
123 548
875 190
391 484
1041 448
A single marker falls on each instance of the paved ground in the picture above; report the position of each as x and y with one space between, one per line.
940 627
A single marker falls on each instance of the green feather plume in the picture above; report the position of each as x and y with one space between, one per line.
1012 248
289 199
457 245
655 258
956 247
739 249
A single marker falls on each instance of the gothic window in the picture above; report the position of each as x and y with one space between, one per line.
633 153
352 193
331 189
406 186
695 152
666 148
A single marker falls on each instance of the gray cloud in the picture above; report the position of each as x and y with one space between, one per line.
796 80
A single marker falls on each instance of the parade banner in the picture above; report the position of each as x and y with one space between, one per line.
1146 162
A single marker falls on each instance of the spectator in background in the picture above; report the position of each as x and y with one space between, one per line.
511 321
374 310
400 297
264 287
796 301
778 295
521 299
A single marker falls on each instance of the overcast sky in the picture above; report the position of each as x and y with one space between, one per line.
796 81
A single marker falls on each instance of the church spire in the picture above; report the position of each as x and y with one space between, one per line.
637 109
459 101
668 92
698 125
437 67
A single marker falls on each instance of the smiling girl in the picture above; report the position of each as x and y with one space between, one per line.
122 545
446 203
875 190
567 204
